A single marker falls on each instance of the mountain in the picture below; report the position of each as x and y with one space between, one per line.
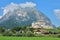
22 16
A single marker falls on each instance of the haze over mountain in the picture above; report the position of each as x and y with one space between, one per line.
20 14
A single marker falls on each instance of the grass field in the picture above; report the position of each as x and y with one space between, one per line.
28 38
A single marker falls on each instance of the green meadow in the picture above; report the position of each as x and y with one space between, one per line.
28 38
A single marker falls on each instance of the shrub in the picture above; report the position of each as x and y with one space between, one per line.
58 35
29 34
8 33
39 35
20 33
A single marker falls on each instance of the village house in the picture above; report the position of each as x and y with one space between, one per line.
40 31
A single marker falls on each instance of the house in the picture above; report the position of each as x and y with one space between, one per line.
36 31
40 32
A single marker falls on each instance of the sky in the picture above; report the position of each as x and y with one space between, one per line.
51 8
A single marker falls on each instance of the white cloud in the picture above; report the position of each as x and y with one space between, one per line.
0 17
11 7
57 13
27 4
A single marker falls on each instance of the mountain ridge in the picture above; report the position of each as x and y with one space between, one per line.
23 16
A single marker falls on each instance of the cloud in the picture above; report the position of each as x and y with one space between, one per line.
57 13
0 17
9 7
12 6
28 4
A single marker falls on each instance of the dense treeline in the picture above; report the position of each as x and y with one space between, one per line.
27 31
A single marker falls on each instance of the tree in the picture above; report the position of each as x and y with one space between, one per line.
29 34
58 27
8 33
16 28
2 29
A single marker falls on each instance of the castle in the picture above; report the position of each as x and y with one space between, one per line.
41 24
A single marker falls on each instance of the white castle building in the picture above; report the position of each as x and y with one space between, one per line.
41 24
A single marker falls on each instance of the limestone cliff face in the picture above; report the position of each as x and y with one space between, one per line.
22 16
